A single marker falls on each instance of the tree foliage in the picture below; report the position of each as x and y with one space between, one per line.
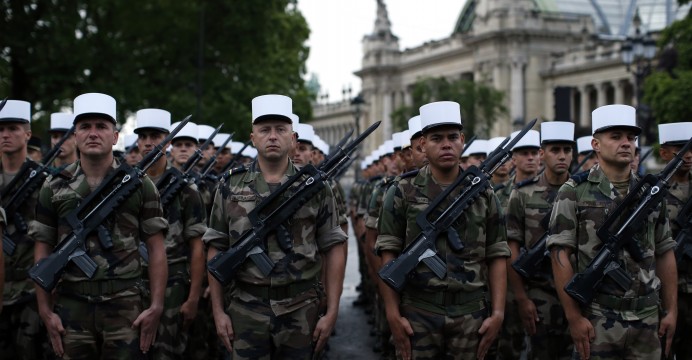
480 105
149 53
669 89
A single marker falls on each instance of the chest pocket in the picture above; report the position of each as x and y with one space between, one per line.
238 208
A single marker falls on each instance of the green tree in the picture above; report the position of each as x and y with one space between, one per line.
669 89
480 105
155 53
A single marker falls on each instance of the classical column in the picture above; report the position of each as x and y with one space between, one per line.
386 112
619 88
517 99
585 109
601 94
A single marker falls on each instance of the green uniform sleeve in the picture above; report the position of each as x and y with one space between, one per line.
392 222
563 220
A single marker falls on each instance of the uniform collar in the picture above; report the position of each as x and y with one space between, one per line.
598 178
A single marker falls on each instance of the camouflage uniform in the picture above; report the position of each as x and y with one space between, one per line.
622 330
274 316
98 313
369 286
22 336
677 197
444 313
503 190
529 204
340 199
186 221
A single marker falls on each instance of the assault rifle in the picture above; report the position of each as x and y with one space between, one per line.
88 217
174 180
31 176
619 230
473 181
683 242
531 262
290 196
582 162
204 174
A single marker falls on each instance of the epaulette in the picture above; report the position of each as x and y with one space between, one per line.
409 174
526 182
499 187
579 178
238 170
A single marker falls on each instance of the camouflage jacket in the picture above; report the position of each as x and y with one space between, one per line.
376 200
676 199
580 210
187 219
365 193
354 195
138 218
481 228
503 191
529 204
314 228
340 199
18 286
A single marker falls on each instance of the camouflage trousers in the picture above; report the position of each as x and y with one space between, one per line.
202 341
100 330
682 346
438 336
552 339
510 340
261 334
170 336
22 335
618 339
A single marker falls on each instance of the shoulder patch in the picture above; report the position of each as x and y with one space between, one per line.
579 178
526 182
238 170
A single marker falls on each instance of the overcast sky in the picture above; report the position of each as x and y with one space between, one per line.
337 28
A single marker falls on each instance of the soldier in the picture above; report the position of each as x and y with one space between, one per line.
60 123
672 137
417 153
203 133
617 324
527 222
501 176
132 154
584 149
21 336
434 318
101 317
186 218
476 153
224 156
34 150
276 316
303 153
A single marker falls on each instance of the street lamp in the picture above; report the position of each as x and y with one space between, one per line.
637 52
357 104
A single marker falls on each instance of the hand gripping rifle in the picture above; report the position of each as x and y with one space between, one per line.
532 261
174 180
88 217
474 182
31 176
683 242
307 183
619 230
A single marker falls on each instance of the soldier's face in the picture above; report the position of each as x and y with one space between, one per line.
557 157
67 148
615 147
133 157
14 137
667 153
273 139
182 150
303 154
148 139
406 158
475 160
417 153
317 156
95 136
442 146
526 160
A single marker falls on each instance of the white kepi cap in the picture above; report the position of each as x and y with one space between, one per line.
154 119
272 106
406 139
61 122
611 116
306 132
220 138
236 146
320 145
16 111
494 143
396 139
441 113
478 146
90 104
189 131
584 144
414 127
295 120
674 133
532 139
204 132
130 141
557 131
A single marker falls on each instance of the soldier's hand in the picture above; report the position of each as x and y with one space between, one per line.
582 334
148 323
529 315
323 330
188 311
401 332
488 331
55 332
667 328
224 329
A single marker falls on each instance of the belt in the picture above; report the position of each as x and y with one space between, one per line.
627 304
446 298
174 270
12 274
276 292
98 287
